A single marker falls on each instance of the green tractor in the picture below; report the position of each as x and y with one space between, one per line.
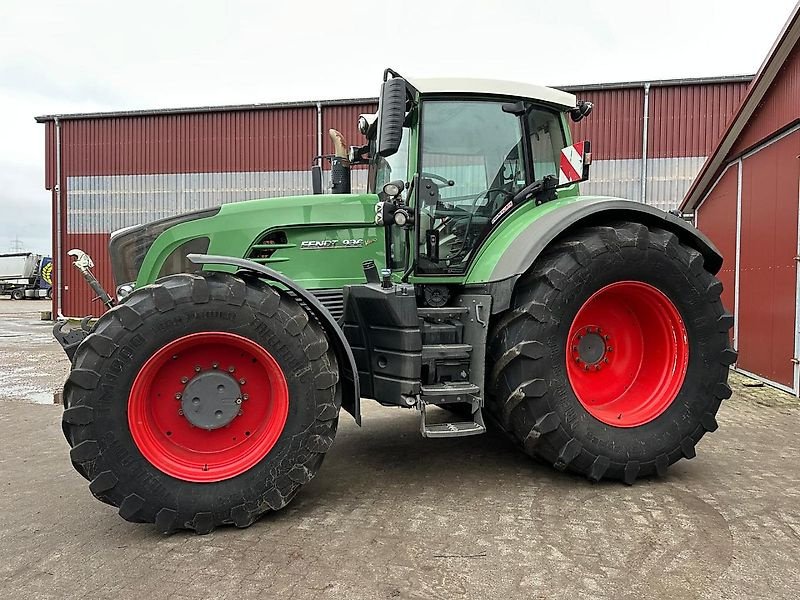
471 276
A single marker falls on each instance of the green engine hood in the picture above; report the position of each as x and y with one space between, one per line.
344 222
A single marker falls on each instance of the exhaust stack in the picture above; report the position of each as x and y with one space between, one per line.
340 164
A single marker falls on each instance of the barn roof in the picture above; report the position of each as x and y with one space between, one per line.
721 155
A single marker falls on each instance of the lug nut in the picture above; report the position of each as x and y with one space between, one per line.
180 411
605 360
246 397
178 396
197 368
238 401
214 365
241 412
184 379
242 381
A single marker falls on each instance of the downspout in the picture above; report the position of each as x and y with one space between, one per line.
58 250
645 122
319 133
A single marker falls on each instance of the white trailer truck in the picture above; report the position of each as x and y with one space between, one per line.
25 275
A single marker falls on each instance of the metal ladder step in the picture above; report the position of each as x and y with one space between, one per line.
435 351
453 429
452 388
444 313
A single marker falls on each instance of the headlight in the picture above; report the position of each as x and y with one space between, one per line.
129 246
393 188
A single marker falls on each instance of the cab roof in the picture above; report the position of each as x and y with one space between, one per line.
457 85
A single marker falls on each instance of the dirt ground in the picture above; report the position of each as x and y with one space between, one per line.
394 516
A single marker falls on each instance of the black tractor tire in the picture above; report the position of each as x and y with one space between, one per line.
17 295
532 397
106 365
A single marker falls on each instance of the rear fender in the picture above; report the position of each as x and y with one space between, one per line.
519 256
351 398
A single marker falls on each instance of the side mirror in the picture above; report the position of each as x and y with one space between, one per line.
391 114
581 111
574 164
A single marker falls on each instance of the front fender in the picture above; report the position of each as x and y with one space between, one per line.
351 398
516 254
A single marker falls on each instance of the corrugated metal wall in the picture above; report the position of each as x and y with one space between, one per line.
716 217
684 123
127 169
779 108
762 231
768 271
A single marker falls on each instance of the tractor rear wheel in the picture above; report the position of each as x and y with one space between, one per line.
202 400
614 357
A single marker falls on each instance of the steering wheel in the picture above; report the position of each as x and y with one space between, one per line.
447 182
470 217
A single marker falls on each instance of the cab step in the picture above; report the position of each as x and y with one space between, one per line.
438 351
452 429
452 391
442 314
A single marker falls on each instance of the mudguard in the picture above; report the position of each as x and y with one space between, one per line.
351 398
519 256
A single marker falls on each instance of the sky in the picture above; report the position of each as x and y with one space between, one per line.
85 56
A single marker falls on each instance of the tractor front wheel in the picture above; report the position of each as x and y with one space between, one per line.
202 400
614 358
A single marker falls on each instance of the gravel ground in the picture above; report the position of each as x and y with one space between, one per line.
394 516
33 364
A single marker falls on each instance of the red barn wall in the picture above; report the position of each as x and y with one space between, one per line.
716 217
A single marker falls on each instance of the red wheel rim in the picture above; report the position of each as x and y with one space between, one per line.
167 438
627 354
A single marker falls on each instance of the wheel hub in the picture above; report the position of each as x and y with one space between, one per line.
590 348
211 400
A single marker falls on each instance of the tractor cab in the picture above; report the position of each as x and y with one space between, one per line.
450 158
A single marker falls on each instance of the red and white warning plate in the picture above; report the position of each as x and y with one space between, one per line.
570 169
